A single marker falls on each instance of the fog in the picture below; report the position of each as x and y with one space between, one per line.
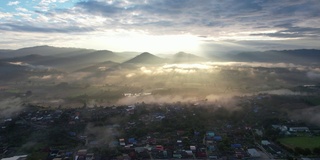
10 107
100 135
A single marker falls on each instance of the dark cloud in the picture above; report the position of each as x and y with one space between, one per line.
33 28
213 15
97 7
293 32
205 17
221 20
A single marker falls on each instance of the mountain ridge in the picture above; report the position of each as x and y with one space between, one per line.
68 57
146 58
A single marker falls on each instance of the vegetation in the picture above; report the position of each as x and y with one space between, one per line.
302 142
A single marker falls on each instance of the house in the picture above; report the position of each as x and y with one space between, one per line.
239 154
211 148
180 132
259 132
217 138
299 129
265 142
122 142
139 149
280 127
236 145
201 153
81 154
210 134
113 144
159 147
151 141
177 155
90 156
132 141
193 148
22 157
213 156
253 153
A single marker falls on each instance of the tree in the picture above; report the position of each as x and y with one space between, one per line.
298 150
307 151
316 151
28 93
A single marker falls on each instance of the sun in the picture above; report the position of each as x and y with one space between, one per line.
142 42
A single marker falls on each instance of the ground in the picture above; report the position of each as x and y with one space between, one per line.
302 142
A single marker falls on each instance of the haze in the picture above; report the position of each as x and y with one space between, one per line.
159 79
167 26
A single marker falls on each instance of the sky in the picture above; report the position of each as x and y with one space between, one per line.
161 26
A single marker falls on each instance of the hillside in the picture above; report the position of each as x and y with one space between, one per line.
98 67
302 56
39 50
182 57
32 58
146 58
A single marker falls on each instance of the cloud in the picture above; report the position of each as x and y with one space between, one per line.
213 15
97 7
4 15
10 107
38 67
313 75
293 32
13 3
244 23
100 135
49 29
310 114
21 9
155 99
283 92
63 1
46 77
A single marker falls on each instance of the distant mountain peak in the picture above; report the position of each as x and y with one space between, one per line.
181 54
182 57
146 58
146 53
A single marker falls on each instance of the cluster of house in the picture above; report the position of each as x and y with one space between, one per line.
183 147
285 130
177 145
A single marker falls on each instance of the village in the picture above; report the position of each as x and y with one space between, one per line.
156 131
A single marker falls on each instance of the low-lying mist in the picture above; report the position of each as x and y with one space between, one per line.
168 83
10 107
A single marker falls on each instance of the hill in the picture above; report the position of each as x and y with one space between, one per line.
39 50
32 58
98 67
301 56
183 57
146 58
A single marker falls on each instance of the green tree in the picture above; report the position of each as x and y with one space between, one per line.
316 151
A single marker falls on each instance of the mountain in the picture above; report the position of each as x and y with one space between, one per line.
32 58
128 54
72 59
3 53
69 59
39 50
146 58
99 67
77 62
99 56
74 53
301 56
10 71
182 57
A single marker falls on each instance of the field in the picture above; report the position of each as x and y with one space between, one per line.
302 142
